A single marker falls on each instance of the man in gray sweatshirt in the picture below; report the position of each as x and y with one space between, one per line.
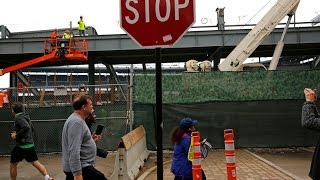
78 146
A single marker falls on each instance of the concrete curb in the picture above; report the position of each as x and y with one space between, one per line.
274 166
145 174
308 150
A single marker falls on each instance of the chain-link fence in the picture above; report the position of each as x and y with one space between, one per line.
49 107
277 103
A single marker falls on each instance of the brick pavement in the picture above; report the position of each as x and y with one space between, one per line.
249 167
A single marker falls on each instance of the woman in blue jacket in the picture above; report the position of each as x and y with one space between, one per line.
181 167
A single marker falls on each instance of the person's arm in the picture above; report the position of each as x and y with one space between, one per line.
186 144
75 135
309 116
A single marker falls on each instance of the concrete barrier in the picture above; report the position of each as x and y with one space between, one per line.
131 155
115 173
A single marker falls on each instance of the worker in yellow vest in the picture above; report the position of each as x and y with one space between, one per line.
67 35
65 44
81 27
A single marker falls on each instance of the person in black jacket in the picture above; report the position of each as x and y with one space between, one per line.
90 120
24 149
310 119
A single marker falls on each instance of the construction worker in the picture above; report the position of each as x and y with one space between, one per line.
81 27
67 35
54 37
64 43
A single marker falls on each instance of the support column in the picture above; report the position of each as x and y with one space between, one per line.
3 32
220 18
92 81
216 59
13 95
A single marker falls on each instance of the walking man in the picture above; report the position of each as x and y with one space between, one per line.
24 149
78 147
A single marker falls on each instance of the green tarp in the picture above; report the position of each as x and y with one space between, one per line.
226 86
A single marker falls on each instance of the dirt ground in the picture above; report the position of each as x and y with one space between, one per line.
294 160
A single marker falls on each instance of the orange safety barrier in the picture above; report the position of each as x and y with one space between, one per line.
196 163
4 99
230 154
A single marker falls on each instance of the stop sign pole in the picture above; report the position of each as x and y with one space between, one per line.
156 24
159 122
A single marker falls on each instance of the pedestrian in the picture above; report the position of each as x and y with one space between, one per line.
24 148
310 119
90 120
181 167
78 146
81 27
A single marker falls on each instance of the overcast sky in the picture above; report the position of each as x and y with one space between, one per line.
24 15
29 15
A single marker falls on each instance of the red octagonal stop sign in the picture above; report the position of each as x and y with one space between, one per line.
156 22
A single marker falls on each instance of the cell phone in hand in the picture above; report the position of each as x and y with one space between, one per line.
99 129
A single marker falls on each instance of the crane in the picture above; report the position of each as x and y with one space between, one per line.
256 36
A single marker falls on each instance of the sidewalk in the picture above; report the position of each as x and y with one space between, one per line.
249 167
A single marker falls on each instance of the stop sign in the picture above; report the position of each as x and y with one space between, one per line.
156 22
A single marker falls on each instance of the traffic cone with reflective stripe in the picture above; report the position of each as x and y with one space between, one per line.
230 154
196 163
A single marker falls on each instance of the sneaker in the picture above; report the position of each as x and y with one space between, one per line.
49 178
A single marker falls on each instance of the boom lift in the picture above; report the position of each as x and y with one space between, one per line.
56 50
256 36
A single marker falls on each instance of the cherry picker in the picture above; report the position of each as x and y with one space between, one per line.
56 50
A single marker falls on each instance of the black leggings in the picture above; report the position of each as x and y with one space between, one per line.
182 178
88 173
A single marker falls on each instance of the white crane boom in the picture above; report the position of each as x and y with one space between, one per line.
256 36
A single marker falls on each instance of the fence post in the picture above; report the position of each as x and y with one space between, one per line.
196 163
230 154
